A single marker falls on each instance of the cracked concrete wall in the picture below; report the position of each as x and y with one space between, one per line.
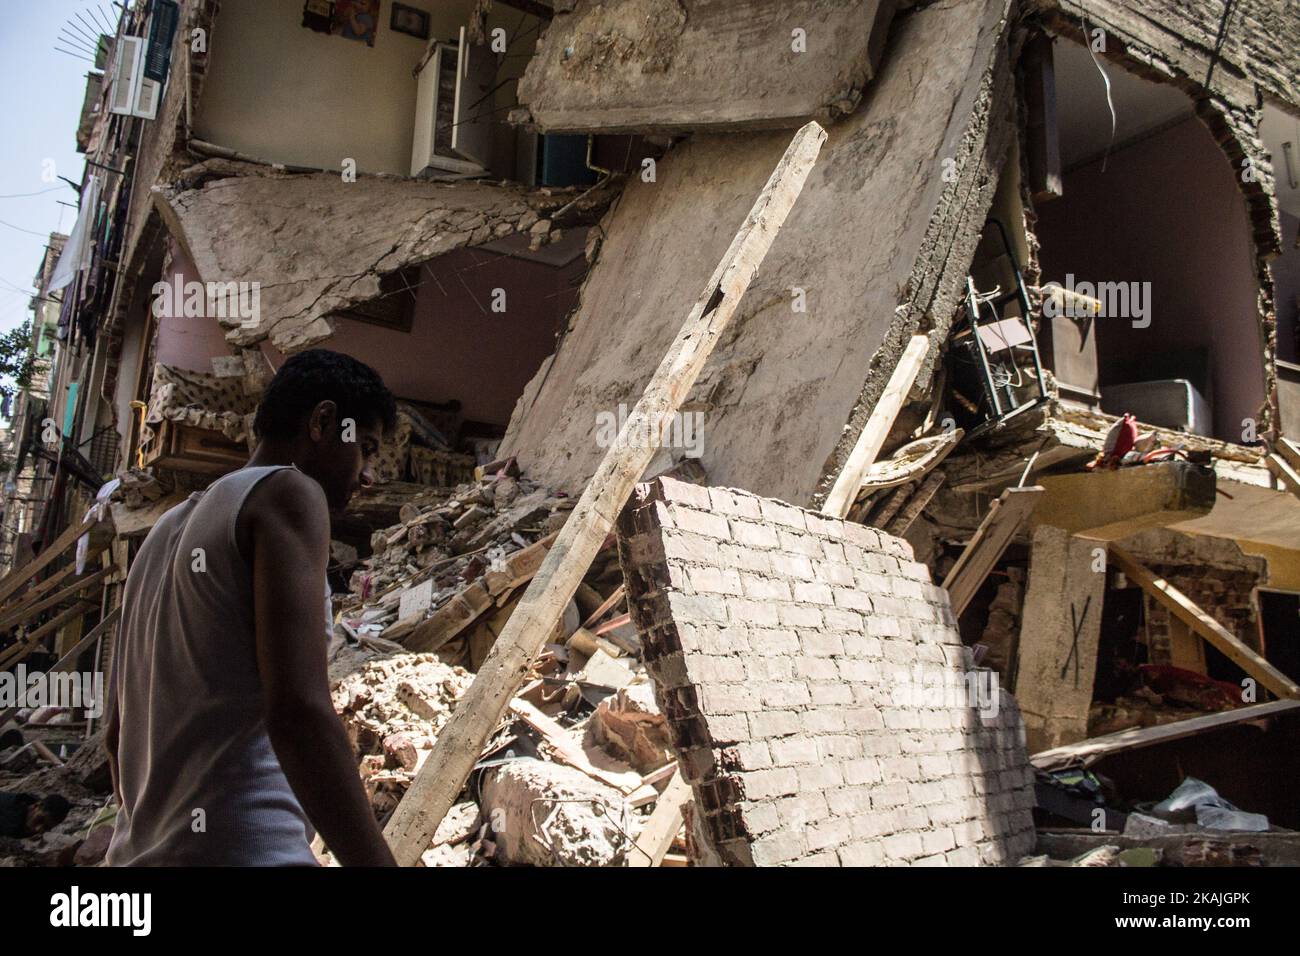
672 65
317 244
1255 45
1228 65
879 242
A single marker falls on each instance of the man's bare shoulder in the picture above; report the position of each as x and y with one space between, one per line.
286 502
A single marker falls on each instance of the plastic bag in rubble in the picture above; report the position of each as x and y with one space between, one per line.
1196 799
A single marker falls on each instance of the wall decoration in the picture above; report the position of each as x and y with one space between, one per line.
410 21
357 19
318 15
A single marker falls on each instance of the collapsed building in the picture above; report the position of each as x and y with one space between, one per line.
1008 400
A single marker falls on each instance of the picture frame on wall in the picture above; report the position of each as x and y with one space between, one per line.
409 20
318 15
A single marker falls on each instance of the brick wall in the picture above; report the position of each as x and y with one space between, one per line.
800 662
1223 594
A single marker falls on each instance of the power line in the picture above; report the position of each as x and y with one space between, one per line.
40 192
43 235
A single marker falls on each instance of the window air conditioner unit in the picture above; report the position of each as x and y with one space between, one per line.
453 109
126 75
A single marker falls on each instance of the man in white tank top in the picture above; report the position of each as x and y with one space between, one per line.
223 743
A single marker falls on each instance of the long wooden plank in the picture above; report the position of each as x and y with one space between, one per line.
873 435
66 662
461 741
987 544
20 576
12 655
662 827
1207 627
39 589
21 614
1087 752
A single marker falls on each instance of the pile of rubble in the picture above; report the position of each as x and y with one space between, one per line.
583 755
567 779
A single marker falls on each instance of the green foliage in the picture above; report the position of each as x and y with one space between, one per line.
17 359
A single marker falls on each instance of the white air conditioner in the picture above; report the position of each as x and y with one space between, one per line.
126 75
453 109
132 93
146 99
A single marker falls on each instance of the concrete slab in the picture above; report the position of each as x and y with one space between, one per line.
1109 505
655 66
878 244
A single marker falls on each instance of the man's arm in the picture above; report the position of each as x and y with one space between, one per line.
112 720
289 524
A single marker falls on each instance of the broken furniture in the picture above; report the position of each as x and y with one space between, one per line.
986 351
197 422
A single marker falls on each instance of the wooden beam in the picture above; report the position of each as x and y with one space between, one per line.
461 740
36 590
17 652
605 607
916 504
68 660
662 827
17 578
1087 752
1285 472
1289 451
987 544
1207 627
845 489
18 615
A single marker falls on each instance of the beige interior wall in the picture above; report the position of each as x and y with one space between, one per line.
278 91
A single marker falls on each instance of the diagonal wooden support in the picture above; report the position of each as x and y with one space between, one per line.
987 544
1183 608
67 661
842 494
19 651
1284 471
21 614
461 741
20 576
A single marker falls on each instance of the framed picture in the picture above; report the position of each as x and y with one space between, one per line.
318 15
356 20
410 21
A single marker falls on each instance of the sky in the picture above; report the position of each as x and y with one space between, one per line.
40 99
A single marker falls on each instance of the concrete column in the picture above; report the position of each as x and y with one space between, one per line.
1055 672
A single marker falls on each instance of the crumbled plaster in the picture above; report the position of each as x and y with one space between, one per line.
317 244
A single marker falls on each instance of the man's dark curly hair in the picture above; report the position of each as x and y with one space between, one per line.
319 375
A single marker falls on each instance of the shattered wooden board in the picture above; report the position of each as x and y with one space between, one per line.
673 65
881 236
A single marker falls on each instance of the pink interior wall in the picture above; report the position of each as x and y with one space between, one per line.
458 348
186 342
1168 211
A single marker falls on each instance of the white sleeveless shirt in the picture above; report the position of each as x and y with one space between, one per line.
201 785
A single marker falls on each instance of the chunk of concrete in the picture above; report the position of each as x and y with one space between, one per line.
549 814
656 66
